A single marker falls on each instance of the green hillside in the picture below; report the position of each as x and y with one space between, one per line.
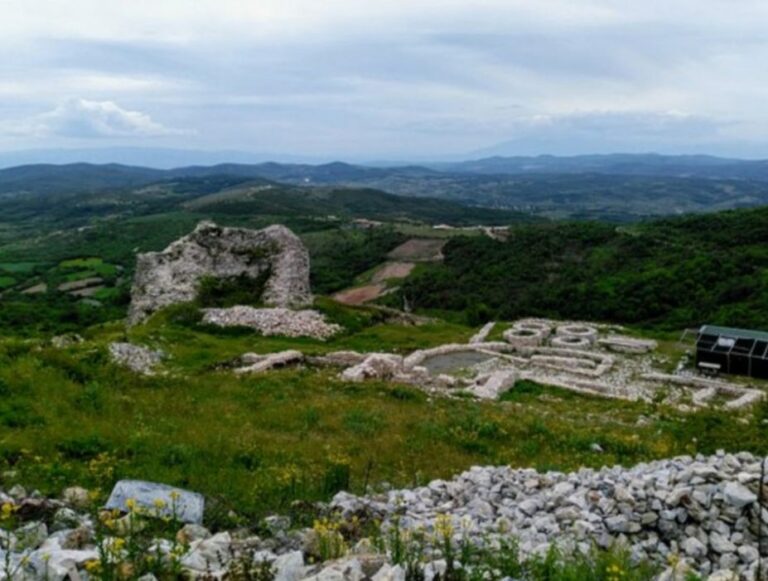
670 274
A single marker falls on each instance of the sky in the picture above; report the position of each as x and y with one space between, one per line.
393 79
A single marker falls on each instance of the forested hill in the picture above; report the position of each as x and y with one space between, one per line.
671 274
608 188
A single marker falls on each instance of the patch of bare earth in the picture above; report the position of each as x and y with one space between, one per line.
360 295
392 270
419 250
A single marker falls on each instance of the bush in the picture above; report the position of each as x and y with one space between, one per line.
84 447
228 292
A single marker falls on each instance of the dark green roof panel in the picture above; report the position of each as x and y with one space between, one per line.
734 333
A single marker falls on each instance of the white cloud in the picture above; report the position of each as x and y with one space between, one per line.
387 77
83 119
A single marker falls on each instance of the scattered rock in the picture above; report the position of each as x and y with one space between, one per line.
192 532
738 495
255 363
67 340
137 358
159 499
375 366
339 359
76 496
209 556
31 535
493 385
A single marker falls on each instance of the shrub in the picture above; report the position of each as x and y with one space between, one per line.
228 292
18 414
84 447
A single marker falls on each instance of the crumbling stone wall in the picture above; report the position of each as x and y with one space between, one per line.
174 275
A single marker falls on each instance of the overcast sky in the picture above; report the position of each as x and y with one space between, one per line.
390 79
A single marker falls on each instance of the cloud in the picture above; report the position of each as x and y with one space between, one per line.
395 78
608 131
83 119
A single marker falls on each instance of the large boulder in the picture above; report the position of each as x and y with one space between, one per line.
174 275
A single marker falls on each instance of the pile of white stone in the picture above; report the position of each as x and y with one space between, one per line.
702 512
270 322
137 358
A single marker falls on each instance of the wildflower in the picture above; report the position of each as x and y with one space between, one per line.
118 544
444 526
159 503
130 504
93 566
7 510
175 495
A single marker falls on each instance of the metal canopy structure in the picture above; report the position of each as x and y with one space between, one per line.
734 351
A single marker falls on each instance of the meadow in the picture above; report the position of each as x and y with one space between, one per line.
259 444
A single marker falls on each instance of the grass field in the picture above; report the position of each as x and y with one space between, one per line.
258 443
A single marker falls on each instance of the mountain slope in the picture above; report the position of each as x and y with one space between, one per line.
614 188
671 273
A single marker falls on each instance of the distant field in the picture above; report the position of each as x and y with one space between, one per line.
18 267
81 263
418 250
424 231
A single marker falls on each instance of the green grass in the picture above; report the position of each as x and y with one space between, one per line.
106 294
87 267
258 443
18 267
81 263
197 347
7 282
80 275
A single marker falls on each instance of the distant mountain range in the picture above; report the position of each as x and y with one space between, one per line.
606 187
649 164
699 166
154 157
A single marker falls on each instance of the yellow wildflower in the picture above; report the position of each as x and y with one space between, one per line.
130 504
8 508
444 526
159 503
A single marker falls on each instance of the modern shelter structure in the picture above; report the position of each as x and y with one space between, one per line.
733 351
